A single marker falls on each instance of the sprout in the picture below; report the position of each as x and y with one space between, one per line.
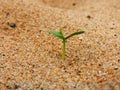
64 39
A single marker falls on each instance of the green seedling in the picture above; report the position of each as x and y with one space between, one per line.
64 39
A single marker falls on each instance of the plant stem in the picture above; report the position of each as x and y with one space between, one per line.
64 51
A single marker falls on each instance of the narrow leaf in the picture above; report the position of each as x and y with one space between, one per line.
60 29
73 34
61 32
57 34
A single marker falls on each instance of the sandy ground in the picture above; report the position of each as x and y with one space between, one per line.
30 58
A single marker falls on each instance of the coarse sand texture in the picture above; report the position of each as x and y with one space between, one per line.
30 58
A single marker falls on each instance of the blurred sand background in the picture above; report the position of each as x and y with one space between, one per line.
30 58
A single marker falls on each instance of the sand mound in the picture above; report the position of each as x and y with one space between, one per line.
30 58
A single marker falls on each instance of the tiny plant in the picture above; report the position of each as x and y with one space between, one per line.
64 39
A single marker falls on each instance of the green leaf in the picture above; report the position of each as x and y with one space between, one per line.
57 34
73 34
60 29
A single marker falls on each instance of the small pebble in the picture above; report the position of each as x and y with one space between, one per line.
74 86
3 54
16 86
115 35
12 25
78 72
74 4
89 17
115 68
111 28
8 87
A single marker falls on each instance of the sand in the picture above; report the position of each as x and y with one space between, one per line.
30 57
